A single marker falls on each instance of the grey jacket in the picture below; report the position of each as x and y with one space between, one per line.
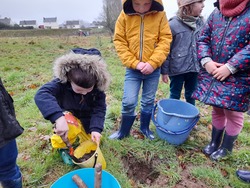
183 53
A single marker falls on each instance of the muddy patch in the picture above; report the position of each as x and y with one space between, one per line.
139 171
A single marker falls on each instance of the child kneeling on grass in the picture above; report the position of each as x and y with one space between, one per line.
76 96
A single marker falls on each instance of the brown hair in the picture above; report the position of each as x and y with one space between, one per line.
186 10
81 77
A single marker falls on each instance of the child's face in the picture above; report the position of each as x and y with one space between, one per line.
80 90
197 8
141 6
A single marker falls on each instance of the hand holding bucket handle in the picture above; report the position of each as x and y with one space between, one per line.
96 137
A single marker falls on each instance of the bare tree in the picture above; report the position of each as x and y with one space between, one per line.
111 11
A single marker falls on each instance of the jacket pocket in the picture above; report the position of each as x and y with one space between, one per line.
179 61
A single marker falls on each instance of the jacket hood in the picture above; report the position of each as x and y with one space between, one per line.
90 63
157 6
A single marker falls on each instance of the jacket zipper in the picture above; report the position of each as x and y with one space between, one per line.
222 41
141 37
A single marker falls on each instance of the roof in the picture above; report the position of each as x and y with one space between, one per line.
49 20
28 22
73 22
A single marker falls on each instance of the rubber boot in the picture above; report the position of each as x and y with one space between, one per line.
225 149
215 141
126 124
144 127
16 183
243 175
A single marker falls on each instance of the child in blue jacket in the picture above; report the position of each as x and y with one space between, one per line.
78 90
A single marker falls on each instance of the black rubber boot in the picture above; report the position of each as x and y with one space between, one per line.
126 124
215 141
225 149
243 175
144 127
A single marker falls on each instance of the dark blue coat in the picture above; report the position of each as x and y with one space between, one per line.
55 97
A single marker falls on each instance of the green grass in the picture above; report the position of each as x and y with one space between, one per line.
26 64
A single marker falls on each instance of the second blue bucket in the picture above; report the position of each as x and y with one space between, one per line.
88 176
175 115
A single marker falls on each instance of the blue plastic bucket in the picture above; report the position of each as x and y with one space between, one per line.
175 115
175 138
88 176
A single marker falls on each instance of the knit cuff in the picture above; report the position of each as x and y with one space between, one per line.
205 60
231 68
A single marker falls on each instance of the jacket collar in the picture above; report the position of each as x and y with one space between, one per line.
156 7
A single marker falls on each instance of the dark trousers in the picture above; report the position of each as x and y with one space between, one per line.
188 80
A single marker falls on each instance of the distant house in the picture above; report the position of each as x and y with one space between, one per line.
74 24
50 23
28 23
6 21
97 24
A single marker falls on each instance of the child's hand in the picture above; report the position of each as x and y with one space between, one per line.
164 78
61 127
221 73
96 137
212 66
140 66
147 69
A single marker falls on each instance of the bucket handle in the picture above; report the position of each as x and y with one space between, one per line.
179 132
171 132
96 156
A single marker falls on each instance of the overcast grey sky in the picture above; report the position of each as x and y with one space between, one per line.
86 10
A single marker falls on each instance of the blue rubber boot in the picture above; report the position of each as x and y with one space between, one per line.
15 183
144 127
243 175
126 124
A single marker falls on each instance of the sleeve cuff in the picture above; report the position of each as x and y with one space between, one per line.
232 69
205 60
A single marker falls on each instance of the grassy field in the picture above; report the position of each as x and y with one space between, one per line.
26 64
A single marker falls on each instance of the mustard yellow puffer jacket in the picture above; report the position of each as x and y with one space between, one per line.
142 37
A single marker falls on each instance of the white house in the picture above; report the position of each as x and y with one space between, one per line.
50 23
6 21
74 24
28 23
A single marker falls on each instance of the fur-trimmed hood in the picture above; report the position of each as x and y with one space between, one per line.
91 63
